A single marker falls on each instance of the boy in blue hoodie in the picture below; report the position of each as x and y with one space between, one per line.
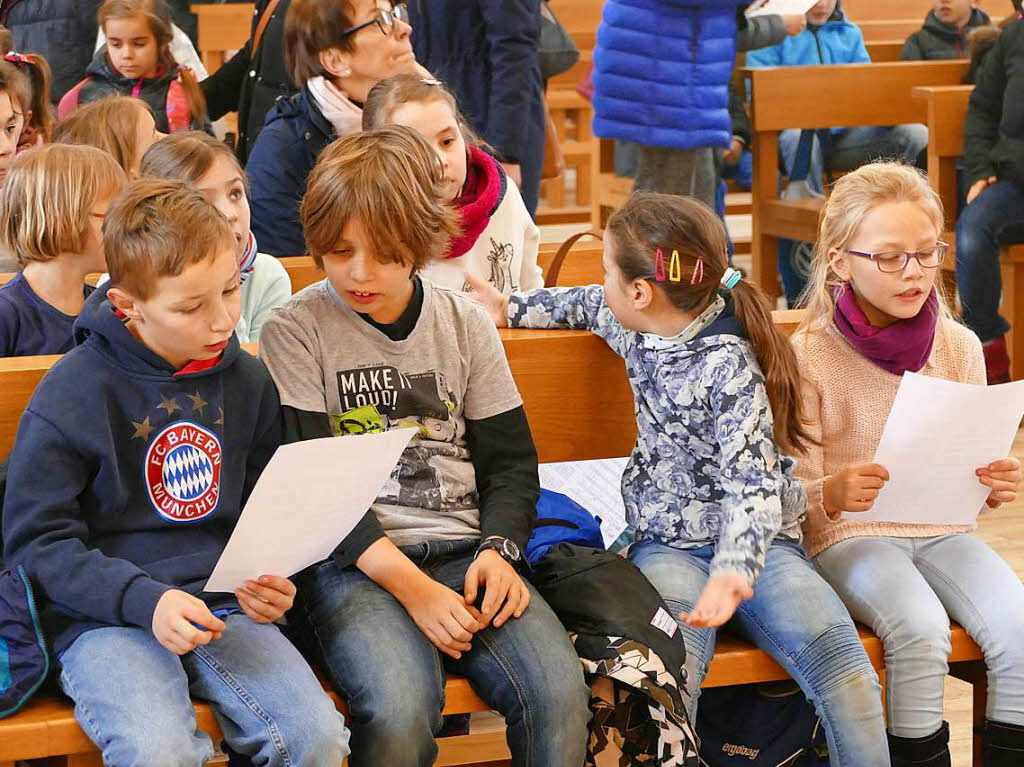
831 39
132 463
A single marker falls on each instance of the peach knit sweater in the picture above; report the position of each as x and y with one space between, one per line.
847 399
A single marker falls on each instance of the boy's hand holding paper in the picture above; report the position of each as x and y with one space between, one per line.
943 447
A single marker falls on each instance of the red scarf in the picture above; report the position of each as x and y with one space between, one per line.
480 196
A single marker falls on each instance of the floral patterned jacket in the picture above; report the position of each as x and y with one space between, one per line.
705 468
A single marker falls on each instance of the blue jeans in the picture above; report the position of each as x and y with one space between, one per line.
852 147
994 219
906 590
132 698
797 619
394 678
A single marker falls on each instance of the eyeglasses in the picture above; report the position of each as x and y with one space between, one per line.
896 261
385 19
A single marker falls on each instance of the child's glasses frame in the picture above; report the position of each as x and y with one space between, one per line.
893 261
384 19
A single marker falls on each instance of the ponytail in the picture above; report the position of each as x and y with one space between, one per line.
193 95
778 363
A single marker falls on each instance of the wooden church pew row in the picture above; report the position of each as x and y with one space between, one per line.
789 97
564 428
222 28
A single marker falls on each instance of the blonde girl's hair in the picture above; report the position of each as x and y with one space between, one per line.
853 197
48 196
110 124
391 181
392 92
158 16
692 242
37 72
187 156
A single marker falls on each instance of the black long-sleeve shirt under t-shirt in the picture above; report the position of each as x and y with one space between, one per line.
500 448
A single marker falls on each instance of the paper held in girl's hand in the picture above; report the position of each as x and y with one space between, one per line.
780 7
937 434
309 497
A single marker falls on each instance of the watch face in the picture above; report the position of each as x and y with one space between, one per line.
510 550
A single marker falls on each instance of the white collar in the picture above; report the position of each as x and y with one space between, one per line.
691 331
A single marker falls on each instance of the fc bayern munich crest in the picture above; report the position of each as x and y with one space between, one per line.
183 472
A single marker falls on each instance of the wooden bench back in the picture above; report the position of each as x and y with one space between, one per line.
581 18
884 51
222 28
946 114
865 94
884 10
574 388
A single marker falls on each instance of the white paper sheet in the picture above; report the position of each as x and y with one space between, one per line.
594 485
937 434
307 500
781 7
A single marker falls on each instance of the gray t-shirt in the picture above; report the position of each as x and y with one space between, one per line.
326 359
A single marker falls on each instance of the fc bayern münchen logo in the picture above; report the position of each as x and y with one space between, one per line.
183 472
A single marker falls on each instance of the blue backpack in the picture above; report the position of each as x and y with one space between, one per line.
561 520
24 662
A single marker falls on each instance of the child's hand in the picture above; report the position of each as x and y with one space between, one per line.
485 294
268 599
854 487
1003 476
978 187
181 622
795 23
721 596
501 583
443 617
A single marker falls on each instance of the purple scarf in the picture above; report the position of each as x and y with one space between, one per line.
904 345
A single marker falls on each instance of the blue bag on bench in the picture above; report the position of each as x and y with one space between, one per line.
24 662
561 520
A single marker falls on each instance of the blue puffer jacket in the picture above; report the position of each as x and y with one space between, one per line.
294 135
837 41
661 72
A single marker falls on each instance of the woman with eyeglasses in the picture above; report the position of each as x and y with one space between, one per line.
876 311
335 52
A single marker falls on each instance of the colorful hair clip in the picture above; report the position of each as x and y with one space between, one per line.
730 278
675 270
698 272
20 60
659 265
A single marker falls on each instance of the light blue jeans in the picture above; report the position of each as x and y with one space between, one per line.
132 698
906 590
394 678
797 619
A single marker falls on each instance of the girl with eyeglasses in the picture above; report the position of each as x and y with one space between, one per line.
875 311
335 52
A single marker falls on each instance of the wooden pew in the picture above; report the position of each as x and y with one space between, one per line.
882 10
888 29
790 97
882 51
564 429
946 114
222 28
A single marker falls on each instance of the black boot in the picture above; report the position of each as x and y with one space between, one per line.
929 751
1003 744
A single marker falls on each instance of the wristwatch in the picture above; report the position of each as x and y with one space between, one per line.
508 549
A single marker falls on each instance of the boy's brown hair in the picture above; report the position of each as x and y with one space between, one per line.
47 199
110 124
312 26
391 180
187 156
155 229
